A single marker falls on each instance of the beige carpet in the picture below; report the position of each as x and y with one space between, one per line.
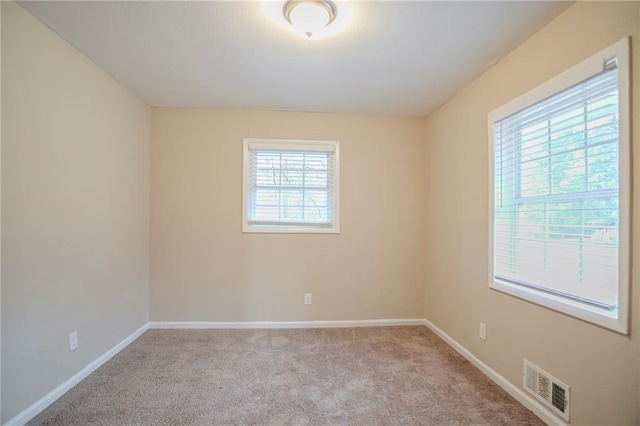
358 376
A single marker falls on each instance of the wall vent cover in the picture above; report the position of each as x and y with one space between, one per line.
551 391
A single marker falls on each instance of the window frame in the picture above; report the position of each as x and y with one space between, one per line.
572 76
284 145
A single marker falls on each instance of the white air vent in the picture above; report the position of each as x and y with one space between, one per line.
551 391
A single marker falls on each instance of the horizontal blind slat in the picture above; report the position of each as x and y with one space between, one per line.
592 116
556 192
594 89
284 186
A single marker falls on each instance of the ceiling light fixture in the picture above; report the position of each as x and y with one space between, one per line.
309 16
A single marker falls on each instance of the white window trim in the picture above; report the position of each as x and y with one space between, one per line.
574 75
297 145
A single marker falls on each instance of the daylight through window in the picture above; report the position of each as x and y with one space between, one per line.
290 186
557 195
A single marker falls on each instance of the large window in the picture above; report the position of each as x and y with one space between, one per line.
560 198
291 186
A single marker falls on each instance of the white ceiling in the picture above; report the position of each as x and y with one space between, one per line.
403 58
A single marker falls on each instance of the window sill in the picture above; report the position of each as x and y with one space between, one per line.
611 320
269 229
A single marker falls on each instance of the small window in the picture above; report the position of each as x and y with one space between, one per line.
291 186
560 192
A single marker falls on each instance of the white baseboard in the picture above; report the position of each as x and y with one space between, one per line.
38 406
509 387
285 324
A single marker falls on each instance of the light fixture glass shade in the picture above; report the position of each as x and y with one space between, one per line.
309 18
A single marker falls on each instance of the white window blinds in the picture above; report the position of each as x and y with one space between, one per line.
556 193
291 185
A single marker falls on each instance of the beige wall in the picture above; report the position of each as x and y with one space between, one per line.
601 367
75 210
204 269
0 215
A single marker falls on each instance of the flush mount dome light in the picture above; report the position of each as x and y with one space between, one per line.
309 16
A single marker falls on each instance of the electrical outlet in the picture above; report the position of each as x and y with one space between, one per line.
307 298
73 341
483 331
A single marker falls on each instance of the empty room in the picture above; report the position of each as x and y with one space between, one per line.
320 212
